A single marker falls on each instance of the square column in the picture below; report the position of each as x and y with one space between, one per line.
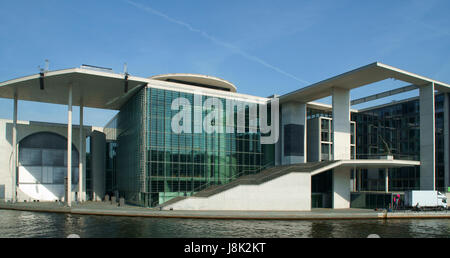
293 133
81 151
341 124
341 188
69 149
447 139
427 137
386 180
14 149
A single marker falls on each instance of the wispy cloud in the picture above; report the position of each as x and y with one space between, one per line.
217 41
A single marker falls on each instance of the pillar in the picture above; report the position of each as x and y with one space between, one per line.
14 149
447 139
69 149
341 124
341 188
98 157
293 133
427 137
81 193
386 180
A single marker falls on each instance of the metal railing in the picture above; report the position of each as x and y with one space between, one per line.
384 156
267 174
233 177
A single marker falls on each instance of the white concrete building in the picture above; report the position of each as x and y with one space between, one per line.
318 160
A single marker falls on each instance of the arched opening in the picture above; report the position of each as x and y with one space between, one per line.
43 166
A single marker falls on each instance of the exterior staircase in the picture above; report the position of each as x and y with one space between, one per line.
255 179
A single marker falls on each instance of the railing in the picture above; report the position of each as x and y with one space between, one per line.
262 176
232 178
386 156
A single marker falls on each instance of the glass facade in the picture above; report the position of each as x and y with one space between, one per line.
155 164
149 164
395 130
110 168
321 190
89 192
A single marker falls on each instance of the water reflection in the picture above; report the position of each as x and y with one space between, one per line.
30 224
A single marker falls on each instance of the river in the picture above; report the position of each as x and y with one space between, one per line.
22 224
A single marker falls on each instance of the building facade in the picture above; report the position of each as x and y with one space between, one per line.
324 155
155 164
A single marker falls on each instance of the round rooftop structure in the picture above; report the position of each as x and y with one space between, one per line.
198 80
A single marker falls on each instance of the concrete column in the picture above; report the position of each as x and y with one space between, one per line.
69 149
81 193
427 137
14 149
293 133
341 188
341 124
98 157
447 139
386 180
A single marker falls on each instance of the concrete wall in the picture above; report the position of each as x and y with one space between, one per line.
288 192
293 113
447 139
341 124
25 129
6 158
427 137
341 188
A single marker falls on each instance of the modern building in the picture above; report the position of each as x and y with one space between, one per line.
322 155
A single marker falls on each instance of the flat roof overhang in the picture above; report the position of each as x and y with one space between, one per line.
95 89
197 79
357 78
368 163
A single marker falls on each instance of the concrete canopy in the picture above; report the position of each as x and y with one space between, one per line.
95 89
368 163
197 79
357 78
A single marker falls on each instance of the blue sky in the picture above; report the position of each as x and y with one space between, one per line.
263 47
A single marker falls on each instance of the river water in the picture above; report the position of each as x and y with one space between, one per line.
21 224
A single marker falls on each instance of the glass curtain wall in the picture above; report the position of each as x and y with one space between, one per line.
395 129
155 164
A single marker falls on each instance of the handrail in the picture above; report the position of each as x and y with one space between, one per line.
280 171
380 155
210 183
263 178
239 177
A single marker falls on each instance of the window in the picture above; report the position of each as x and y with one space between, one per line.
43 159
293 140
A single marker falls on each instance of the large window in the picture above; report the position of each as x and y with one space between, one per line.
43 166
43 159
